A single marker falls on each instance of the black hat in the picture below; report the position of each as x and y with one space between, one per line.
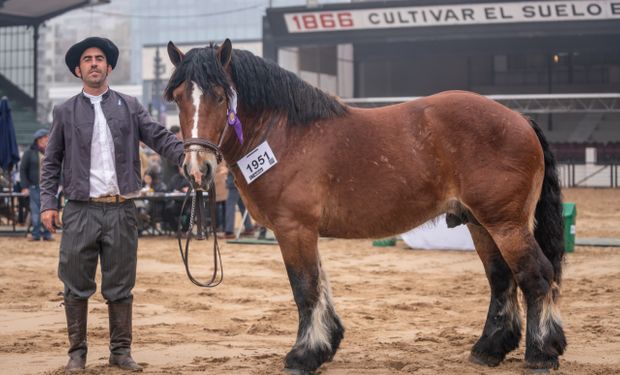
72 58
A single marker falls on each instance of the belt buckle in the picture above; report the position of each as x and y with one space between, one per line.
109 199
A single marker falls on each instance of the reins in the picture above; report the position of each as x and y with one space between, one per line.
196 218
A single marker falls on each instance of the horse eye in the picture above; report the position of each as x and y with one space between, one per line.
220 99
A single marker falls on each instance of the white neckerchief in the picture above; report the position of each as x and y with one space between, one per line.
102 166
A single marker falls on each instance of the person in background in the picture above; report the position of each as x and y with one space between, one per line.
221 195
30 172
172 210
232 201
168 169
152 212
23 202
95 137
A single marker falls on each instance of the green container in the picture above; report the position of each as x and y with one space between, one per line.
569 213
384 242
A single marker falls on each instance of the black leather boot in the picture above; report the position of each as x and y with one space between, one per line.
76 311
120 337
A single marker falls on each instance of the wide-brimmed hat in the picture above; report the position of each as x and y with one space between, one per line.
72 58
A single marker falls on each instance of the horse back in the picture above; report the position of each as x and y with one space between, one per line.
393 168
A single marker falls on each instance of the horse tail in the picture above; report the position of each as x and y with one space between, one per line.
549 232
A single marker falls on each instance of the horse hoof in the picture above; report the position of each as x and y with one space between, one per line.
541 367
294 371
483 359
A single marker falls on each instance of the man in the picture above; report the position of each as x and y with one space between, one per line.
29 173
232 201
95 136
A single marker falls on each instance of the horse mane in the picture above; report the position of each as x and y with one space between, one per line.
261 85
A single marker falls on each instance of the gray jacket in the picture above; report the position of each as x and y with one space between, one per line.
29 167
70 141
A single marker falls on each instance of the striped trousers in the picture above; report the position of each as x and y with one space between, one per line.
93 230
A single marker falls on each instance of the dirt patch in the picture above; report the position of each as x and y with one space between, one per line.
405 311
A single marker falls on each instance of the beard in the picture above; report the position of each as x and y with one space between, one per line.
96 80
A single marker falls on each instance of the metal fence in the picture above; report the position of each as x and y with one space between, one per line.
589 175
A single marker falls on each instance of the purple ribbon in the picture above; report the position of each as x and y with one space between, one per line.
233 121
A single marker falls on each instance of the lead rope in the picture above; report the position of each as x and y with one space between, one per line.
202 232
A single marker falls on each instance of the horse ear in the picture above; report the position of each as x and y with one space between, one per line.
175 54
225 53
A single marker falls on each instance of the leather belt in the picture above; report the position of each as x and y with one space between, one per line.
109 199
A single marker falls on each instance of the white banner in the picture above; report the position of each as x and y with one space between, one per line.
435 234
451 15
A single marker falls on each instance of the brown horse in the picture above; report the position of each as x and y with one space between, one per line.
369 173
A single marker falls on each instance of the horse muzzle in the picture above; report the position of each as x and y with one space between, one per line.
200 176
201 159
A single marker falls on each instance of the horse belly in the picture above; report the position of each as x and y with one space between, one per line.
384 209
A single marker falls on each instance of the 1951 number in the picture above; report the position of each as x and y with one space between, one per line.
258 161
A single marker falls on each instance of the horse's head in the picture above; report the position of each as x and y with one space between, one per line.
202 89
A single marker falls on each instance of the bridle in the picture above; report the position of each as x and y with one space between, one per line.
197 214
198 207
208 145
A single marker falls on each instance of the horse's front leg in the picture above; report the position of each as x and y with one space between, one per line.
320 329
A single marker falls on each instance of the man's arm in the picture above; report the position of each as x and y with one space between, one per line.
51 167
157 137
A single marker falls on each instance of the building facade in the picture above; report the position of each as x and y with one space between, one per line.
558 52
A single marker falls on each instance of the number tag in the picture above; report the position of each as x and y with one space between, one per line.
257 162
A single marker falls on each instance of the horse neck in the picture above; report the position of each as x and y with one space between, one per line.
255 127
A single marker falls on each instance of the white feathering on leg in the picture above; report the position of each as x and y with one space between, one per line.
317 334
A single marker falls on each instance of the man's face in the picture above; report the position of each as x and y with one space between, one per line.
42 142
93 68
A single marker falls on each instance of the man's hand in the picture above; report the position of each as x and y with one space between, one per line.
25 191
50 219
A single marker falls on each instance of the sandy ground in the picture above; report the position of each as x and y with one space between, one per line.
405 311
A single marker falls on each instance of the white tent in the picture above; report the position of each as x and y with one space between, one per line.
435 234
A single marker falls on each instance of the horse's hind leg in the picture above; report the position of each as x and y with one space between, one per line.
502 330
545 340
320 330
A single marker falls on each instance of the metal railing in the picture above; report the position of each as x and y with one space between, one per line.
589 175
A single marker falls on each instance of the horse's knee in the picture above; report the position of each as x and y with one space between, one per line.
530 267
534 275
